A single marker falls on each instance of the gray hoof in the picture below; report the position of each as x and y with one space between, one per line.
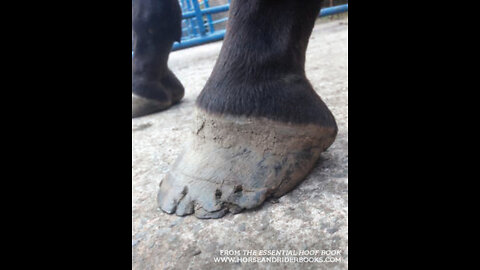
235 163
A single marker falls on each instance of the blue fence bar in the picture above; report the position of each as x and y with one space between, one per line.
186 5
199 16
195 28
209 17
210 10
333 10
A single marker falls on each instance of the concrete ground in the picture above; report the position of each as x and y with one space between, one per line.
314 216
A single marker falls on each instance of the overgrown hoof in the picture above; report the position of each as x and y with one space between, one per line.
235 163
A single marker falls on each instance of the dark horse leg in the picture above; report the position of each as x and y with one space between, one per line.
156 25
260 126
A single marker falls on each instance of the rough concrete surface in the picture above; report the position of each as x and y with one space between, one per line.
314 216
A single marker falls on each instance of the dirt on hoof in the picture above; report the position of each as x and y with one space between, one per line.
233 163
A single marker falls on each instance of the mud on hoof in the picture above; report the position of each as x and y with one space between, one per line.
235 163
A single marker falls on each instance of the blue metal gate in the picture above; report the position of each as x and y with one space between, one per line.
198 25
